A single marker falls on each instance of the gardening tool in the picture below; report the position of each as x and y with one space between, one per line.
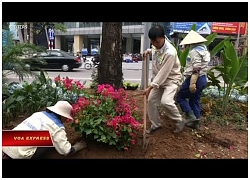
145 138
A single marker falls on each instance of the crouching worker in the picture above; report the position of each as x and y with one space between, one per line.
52 120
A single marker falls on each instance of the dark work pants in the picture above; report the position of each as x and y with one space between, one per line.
191 101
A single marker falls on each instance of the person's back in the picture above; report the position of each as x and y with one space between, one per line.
200 55
96 58
45 120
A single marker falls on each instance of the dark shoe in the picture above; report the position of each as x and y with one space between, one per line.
179 126
151 130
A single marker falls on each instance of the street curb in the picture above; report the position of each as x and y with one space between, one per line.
127 69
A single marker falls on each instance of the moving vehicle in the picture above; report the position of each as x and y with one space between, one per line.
56 59
89 63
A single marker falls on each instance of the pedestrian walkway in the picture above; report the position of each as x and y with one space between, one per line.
135 66
131 66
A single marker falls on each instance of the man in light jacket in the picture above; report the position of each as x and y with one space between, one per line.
166 76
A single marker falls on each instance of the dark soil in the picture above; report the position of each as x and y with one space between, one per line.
211 141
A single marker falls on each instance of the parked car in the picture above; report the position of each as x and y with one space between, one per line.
56 59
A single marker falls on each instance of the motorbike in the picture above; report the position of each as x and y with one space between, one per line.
89 64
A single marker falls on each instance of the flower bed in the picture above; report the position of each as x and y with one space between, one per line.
105 115
214 92
108 117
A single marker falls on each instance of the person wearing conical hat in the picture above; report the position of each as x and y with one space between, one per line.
195 73
52 120
166 76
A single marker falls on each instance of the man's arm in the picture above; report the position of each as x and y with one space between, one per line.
63 146
196 64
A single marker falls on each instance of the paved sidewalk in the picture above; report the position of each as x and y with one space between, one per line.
131 66
135 66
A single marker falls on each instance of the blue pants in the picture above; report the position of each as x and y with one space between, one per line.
191 101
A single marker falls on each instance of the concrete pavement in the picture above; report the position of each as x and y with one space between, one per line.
131 66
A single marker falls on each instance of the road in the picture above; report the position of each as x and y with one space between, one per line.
131 73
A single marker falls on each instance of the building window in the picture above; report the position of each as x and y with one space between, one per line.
131 23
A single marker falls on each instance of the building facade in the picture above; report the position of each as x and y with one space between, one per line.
88 35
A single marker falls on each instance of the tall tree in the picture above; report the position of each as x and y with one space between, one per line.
110 67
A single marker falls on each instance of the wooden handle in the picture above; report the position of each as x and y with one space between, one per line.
145 86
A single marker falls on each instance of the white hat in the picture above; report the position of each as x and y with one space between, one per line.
193 37
62 108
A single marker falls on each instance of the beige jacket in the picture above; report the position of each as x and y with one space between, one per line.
166 67
198 58
39 121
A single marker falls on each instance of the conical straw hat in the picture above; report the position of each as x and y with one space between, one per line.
192 37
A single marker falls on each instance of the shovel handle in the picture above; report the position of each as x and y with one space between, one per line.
145 98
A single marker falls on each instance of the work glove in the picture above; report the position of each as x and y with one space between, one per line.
192 85
79 146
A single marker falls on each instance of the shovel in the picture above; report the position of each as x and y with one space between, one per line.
145 138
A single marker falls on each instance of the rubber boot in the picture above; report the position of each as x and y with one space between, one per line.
179 126
192 121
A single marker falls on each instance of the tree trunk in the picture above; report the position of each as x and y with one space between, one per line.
25 33
110 67
47 37
31 33
20 35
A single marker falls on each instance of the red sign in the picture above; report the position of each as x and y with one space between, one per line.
228 27
26 138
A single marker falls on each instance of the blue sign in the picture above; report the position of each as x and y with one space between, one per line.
184 27
51 34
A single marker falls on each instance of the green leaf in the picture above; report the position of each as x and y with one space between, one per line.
193 27
231 54
210 39
198 155
88 131
218 47
226 74
42 77
183 57
20 98
242 76
103 137
226 60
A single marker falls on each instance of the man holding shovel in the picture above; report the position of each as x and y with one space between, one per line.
166 76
